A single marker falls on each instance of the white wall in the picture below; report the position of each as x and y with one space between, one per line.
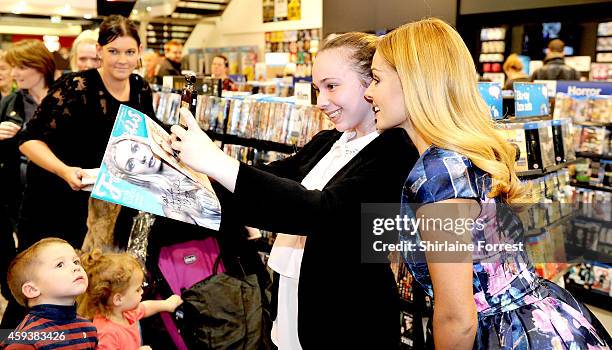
242 24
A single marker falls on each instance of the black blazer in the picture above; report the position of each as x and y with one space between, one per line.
341 302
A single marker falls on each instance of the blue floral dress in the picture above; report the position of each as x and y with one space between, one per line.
516 308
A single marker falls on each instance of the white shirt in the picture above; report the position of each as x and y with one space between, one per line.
287 252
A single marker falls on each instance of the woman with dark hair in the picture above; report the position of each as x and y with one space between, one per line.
70 130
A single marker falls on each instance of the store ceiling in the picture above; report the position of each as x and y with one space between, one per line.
168 19
64 8
177 22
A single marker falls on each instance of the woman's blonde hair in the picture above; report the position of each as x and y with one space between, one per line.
442 101
108 274
513 62
86 37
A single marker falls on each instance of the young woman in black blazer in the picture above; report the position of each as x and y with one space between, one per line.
341 302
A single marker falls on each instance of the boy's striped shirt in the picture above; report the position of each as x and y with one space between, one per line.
52 327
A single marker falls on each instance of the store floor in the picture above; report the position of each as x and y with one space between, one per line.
603 315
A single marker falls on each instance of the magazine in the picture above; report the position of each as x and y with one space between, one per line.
140 171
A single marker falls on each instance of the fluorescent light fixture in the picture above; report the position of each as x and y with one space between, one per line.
199 5
65 10
19 7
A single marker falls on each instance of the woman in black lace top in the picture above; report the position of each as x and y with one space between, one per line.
69 133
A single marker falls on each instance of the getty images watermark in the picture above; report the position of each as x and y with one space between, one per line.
408 225
445 231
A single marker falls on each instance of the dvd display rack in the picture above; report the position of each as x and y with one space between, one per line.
261 122
601 69
590 234
492 52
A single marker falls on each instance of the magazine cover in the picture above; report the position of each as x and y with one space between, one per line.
139 171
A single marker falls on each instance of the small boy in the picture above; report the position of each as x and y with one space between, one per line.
46 278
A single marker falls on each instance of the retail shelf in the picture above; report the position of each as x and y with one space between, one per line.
591 187
229 139
537 231
593 156
539 172
553 168
585 123
530 173
580 254
513 119
592 219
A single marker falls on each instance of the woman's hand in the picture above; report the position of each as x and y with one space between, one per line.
8 130
193 146
72 176
198 151
254 233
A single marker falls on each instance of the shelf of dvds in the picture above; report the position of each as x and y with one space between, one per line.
591 123
593 156
541 172
537 231
580 254
605 223
261 122
592 187
264 145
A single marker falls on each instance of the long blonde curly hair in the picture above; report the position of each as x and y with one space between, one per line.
443 105
109 273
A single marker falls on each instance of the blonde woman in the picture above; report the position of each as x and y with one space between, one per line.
424 80
513 67
84 53
315 198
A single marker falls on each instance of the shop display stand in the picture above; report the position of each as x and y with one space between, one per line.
230 139
592 187
492 51
590 245
603 55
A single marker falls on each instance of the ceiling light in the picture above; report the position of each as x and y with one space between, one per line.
149 8
65 10
199 5
87 16
56 19
19 7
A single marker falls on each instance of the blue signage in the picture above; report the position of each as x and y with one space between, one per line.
492 95
530 100
584 88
